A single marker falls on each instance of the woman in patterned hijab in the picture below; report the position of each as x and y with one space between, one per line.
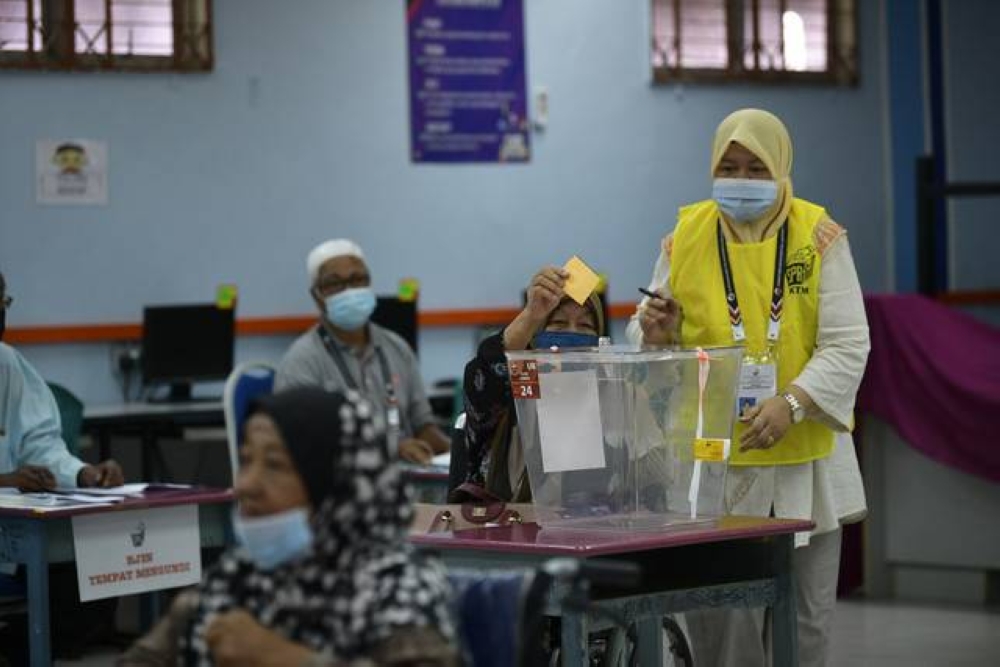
323 575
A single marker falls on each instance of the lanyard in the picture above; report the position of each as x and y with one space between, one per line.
338 357
777 293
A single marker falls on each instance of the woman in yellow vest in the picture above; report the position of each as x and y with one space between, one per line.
757 267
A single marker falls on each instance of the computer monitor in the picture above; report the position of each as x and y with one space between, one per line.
182 344
397 316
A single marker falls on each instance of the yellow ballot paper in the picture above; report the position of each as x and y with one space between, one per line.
582 280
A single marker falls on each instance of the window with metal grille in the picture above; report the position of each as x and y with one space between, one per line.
106 34
754 40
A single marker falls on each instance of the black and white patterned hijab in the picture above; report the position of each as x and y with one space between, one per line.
362 580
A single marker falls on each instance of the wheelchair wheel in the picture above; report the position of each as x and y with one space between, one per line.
605 648
616 648
677 651
680 650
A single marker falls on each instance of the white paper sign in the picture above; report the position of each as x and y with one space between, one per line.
121 553
71 171
569 421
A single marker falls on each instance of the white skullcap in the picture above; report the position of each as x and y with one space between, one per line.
328 250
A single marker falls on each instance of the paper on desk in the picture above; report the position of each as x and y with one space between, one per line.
136 489
92 499
442 460
43 502
569 421
582 280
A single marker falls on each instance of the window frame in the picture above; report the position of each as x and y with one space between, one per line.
193 43
841 54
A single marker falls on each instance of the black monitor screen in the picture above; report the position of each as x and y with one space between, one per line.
397 316
183 344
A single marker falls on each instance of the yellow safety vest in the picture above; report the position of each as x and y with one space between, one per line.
696 282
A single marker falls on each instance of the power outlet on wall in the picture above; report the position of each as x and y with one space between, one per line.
127 359
126 364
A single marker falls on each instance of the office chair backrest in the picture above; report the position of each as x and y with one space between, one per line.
499 616
70 416
397 316
247 381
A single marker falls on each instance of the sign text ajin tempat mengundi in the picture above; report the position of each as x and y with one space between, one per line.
139 566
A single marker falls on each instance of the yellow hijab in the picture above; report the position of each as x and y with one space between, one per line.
764 135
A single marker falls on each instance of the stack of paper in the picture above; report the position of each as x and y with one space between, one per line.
45 502
116 492
70 497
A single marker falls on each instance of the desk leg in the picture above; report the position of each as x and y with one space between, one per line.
649 640
37 567
149 610
784 630
574 639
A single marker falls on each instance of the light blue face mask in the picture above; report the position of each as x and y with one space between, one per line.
545 339
349 310
744 199
275 539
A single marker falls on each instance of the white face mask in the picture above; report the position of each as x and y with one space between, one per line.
744 199
349 310
274 539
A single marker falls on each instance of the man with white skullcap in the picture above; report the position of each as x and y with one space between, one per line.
344 350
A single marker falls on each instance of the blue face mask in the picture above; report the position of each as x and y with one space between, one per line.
349 310
744 199
275 539
545 339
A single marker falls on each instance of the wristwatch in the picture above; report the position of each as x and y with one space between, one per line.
798 412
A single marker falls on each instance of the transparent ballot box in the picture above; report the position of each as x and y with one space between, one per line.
624 438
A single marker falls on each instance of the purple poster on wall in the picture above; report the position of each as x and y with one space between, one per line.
467 81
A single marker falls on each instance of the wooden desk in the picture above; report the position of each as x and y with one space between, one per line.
739 562
149 421
36 539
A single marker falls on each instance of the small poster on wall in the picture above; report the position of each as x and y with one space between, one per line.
467 81
71 171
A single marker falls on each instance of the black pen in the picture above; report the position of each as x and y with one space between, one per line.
652 295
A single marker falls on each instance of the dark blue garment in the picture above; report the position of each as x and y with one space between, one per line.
499 616
547 339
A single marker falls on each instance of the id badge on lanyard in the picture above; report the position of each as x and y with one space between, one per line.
393 428
393 418
759 375
758 381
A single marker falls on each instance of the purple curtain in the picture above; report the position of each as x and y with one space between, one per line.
934 375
